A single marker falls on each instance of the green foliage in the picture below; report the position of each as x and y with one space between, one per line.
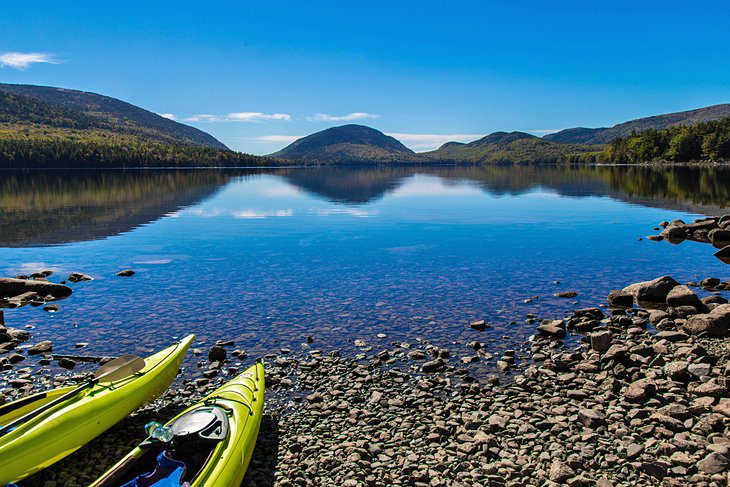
706 141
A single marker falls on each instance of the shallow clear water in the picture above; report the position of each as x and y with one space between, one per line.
268 257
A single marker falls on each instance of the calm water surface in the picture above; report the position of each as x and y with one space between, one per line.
268 257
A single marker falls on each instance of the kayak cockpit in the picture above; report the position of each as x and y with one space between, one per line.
196 435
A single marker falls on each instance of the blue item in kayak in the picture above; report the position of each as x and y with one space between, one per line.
167 473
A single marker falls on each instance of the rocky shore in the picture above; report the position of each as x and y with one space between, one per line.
631 392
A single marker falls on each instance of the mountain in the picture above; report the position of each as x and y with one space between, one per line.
47 127
347 143
90 110
581 135
505 147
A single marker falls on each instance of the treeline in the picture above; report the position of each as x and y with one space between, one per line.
103 153
706 141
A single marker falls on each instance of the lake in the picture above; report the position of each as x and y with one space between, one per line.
268 258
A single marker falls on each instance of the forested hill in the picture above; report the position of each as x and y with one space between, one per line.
76 132
701 142
102 112
582 135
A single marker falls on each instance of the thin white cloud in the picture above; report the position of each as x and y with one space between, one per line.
239 214
23 60
350 117
170 116
543 131
277 139
246 117
432 141
356 212
253 214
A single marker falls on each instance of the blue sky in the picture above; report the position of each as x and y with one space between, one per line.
258 74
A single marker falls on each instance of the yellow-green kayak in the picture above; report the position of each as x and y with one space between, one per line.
211 442
52 435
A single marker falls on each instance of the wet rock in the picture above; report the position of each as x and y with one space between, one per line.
479 325
15 287
566 294
66 363
79 277
433 365
41 348
719 237
683 296
126 273
620 299
552 329
417 355
676 229
51 308
654 291
18 335
217 354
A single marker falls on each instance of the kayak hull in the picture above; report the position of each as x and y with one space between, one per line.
65 428
242 399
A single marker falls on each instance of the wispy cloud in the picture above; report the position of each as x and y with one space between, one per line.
543 131
245 117
253 214
278 139
239 214
432 141
23 60
350 117
170 116
356 212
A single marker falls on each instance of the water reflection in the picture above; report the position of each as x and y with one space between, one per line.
45 208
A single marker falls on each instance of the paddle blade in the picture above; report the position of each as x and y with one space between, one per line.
119 368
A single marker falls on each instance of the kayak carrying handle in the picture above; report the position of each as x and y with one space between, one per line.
243 400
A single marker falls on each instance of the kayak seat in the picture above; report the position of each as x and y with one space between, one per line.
206 423
167 473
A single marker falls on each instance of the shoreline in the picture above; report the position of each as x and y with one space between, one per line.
629 405
637 395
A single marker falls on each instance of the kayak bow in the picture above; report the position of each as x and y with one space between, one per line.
213 439
65 427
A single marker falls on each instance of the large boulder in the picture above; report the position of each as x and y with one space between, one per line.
715 323
719 237
683 296
620 299
14 287
654 291
676 230
552 329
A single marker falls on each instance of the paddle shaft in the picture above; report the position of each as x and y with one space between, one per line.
32 414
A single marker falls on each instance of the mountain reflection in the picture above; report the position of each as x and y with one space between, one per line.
46 208
704 189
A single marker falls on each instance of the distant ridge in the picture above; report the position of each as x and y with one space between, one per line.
346 143
109 113
505 148
581 135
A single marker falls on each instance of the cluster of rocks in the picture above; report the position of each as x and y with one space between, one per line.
624 407
714 230
634 396
35 289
